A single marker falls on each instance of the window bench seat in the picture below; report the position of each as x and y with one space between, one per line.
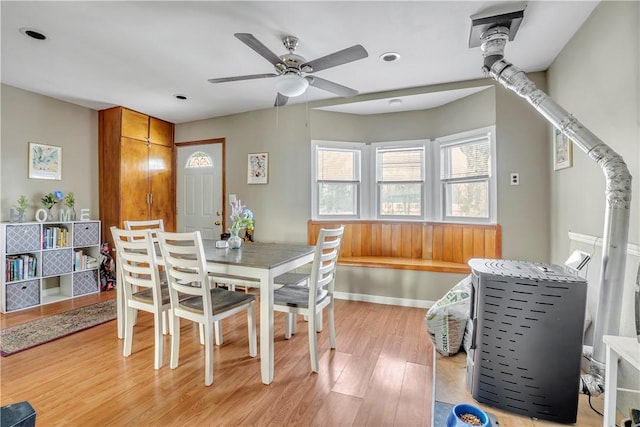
423 246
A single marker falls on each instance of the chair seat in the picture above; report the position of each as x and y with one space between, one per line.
295 296
147 295
292 279
222 300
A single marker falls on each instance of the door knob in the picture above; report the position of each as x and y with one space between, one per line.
217 223
218 213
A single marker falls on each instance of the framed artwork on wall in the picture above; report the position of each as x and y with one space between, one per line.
258 168
45 161
562 150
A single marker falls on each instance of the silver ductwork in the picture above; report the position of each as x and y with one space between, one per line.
618 190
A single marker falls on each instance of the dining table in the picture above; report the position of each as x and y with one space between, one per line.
259 261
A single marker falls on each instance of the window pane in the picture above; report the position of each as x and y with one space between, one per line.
337 165
400 199
466 160
337 198
199 159
400 165
467 199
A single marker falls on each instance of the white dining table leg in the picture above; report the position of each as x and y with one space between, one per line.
266 327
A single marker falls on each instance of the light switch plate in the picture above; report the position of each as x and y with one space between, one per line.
515 178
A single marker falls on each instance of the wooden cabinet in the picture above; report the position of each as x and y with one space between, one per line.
137 179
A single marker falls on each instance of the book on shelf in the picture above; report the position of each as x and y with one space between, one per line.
20 267
81 261
54 237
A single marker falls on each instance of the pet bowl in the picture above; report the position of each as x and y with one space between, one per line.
460 409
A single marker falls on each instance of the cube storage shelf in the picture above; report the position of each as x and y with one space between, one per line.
47 262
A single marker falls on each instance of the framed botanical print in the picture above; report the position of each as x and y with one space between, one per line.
45 161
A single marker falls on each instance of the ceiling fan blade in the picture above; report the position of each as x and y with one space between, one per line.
343 56
281 100
236 78
329 86
261 49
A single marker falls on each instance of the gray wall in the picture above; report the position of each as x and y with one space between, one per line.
29 117
282 207
596 78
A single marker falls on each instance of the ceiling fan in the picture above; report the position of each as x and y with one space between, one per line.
293 70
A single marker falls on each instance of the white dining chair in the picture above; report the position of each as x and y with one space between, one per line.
153 225
136 263
311 299
193 298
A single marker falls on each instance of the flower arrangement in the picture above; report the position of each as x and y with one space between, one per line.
50 199
22 204
241 217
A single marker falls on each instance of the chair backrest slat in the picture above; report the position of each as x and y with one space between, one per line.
325 262
136 262
186 267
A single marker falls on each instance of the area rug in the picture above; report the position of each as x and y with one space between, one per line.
40 331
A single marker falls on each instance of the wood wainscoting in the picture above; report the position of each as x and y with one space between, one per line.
425 246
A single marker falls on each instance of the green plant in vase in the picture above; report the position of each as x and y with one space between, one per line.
21 207
70 201
49 201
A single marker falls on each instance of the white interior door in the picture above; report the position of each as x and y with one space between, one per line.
199 189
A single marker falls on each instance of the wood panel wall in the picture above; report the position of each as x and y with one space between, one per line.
436 241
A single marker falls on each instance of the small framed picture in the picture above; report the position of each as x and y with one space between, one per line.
45 161
258 168
562 150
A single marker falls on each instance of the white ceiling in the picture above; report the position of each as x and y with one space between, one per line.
140 54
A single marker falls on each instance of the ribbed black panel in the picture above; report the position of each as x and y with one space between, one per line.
528 338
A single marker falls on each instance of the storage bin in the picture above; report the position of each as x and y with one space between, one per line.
57 262
85 282
86 234
22 294
23 238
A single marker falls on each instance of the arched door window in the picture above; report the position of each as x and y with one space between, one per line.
199 160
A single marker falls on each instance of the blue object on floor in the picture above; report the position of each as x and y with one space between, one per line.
454 420
19 414
443 409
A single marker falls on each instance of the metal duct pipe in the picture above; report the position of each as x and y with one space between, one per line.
618 195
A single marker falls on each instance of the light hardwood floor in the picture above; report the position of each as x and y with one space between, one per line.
379 375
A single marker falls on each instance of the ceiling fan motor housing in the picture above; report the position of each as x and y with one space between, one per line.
293 63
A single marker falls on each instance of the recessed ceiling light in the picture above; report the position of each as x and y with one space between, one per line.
390 56
395 102
180 97
34 34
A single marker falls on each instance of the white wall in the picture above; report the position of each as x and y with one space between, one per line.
597 78
29 117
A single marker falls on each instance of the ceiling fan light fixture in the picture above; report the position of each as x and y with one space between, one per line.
291 85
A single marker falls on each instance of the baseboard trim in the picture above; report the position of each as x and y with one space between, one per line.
376 299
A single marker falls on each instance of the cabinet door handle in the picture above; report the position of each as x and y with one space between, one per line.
150 198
